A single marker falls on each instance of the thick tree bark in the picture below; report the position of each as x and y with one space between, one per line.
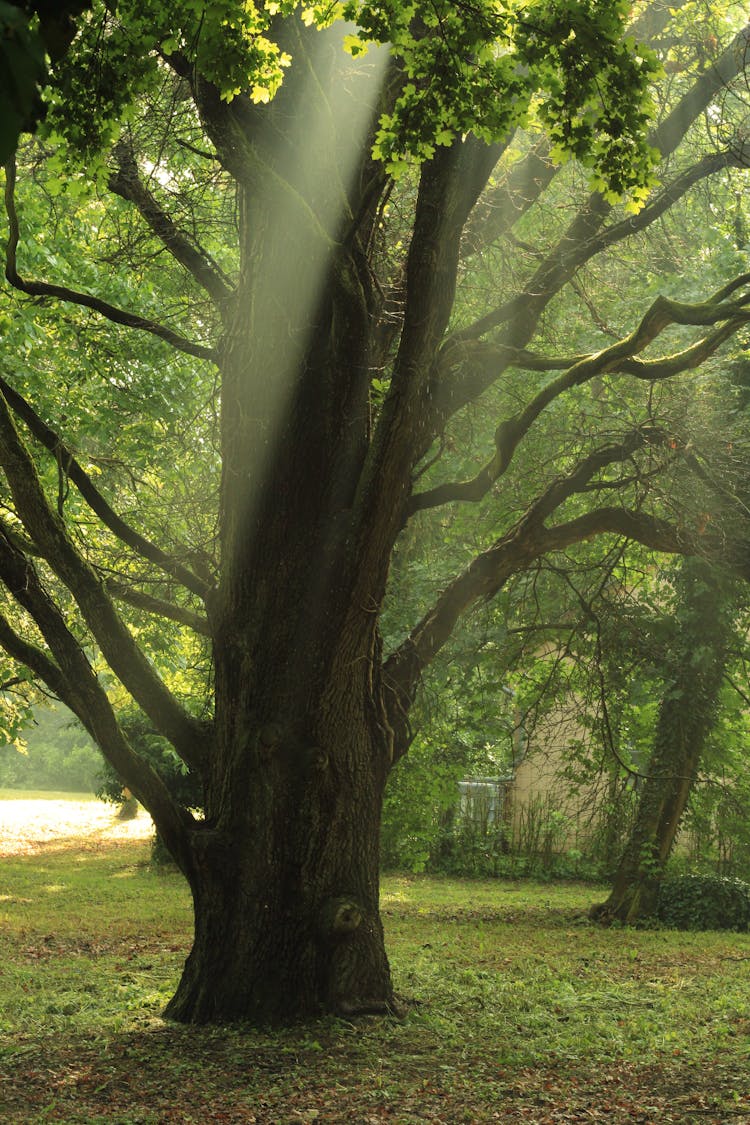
685 719
285 879
285 882
287 937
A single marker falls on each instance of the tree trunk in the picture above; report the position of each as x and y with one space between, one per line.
286 885
635 888
285 868
686 717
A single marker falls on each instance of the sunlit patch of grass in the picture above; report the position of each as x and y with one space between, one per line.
31 822
46 795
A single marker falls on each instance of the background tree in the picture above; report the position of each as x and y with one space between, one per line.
322 296
687 713
48 750
703 637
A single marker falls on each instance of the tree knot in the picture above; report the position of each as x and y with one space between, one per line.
340 916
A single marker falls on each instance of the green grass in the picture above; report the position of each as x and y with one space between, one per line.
518 1010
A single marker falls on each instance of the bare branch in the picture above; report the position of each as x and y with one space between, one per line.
489 572
499 210
127 183
583 241
85 300
708 165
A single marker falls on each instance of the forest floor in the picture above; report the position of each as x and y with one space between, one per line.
518 1009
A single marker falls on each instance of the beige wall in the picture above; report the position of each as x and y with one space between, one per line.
540 788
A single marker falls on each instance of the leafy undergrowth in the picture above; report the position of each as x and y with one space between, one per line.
518 1010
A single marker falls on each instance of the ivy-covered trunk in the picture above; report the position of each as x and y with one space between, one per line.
686 717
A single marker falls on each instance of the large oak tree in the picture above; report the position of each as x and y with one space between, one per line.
344 348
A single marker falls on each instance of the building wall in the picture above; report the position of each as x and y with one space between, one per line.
542 800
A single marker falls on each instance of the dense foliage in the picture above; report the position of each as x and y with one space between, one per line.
466 68
704 902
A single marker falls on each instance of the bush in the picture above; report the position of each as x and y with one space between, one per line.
704 902
182 784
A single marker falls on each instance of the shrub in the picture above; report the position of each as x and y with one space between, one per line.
183 785
704 902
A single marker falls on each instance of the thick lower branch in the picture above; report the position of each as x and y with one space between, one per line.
123 655
85 300
80 478
70 675
515 552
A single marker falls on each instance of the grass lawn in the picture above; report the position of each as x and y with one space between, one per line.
519 1009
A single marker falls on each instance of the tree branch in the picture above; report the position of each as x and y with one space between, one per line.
36 660
70 676
526 542
500 209
617 358
80 478
583 239
127 183
129 664
450 184
707 166
159 607
85 300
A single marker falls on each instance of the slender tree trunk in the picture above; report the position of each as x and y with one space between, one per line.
686 718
